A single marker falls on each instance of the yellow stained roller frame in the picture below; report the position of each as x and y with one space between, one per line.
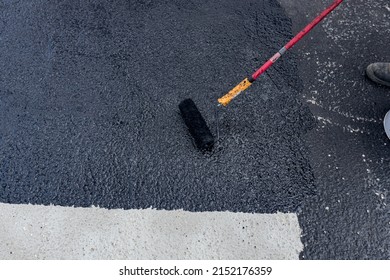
225 100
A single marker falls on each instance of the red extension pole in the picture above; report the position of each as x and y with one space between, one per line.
296 39
237 90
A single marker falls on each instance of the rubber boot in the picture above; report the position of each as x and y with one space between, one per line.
380 73
386 123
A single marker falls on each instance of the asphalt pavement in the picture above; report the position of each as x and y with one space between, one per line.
89 94
349 217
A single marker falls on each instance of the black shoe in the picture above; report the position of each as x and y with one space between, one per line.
379 72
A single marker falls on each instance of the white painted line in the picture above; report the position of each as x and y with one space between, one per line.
53 232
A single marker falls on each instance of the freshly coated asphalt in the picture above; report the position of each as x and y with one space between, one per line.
88 107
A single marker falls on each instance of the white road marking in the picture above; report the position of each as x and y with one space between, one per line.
54 232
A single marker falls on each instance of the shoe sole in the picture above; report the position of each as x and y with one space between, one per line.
370 73
386 124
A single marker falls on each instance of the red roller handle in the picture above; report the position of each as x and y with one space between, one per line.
247 82
296 39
